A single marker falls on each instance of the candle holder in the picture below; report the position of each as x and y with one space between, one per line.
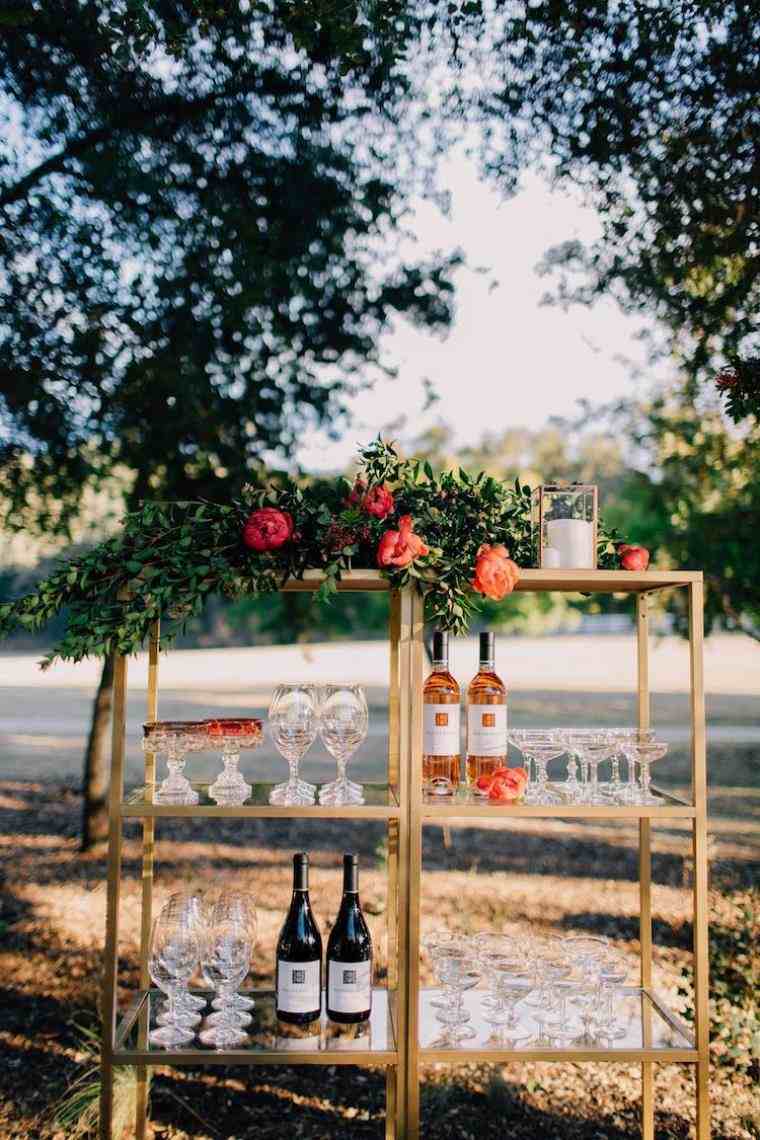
565 519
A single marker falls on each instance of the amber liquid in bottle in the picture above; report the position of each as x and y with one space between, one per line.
441 757
486 717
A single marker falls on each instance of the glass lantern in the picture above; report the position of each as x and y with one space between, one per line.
564 520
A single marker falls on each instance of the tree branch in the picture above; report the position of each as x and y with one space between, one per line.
127 121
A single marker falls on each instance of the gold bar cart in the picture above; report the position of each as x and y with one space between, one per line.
400 1038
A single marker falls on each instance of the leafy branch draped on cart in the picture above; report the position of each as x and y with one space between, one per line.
456 535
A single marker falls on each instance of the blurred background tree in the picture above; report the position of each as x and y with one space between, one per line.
197 256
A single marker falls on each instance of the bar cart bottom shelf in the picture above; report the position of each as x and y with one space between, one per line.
271 1043
648 1032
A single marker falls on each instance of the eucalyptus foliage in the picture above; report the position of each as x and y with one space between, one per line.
170 557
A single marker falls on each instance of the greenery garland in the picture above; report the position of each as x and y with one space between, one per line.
170 557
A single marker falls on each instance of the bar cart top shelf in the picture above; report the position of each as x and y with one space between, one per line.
535 581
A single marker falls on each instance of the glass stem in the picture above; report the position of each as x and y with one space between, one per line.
341 769
616 770
645 778
293 767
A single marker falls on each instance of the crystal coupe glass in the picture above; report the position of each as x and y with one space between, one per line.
233 733
174 739
293 723
344 720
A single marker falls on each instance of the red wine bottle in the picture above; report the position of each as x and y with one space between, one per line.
349 955
299 955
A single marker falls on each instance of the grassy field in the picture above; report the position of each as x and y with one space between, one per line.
559 875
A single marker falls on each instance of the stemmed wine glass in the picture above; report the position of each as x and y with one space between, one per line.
225 960
174 738
238 908
344 720
172 959
233 733
187 907
294 722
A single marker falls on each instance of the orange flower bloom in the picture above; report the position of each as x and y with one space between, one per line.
496 574
400 547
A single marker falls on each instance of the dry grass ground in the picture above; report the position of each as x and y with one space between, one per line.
561 876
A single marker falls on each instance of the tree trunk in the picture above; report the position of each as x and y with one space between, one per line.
95 781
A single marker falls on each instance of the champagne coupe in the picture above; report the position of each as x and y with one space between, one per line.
172 959
646 752
613 970
593 746
233 733
458 975
503 960
174 738
344 720
542 746
293 722
434 943
632 739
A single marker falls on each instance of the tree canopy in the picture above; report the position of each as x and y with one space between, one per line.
197 250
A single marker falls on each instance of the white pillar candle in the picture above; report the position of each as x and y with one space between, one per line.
574 539
551 558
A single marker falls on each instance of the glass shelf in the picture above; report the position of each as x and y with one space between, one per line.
381 802
324 1043
651 1033
466 804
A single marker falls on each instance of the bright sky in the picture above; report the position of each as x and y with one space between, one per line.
507 360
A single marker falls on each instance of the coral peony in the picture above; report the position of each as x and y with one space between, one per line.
508 785
378 501
267 529
495 573
400 547
633 557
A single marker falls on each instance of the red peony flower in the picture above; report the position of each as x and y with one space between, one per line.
495 573
400 547
633 557
378 501
267 529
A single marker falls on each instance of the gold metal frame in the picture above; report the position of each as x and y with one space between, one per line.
406 814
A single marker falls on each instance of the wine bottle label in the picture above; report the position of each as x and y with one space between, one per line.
440 730
487 730
298 986
349 986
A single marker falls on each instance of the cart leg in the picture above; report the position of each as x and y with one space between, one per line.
391 1104
146 914
415 863
110 971
645 871
699 784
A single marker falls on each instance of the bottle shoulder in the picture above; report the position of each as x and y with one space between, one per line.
440 687
486 688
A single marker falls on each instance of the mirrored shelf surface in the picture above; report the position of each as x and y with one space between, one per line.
467 804
270 1042
648 1031
380 802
